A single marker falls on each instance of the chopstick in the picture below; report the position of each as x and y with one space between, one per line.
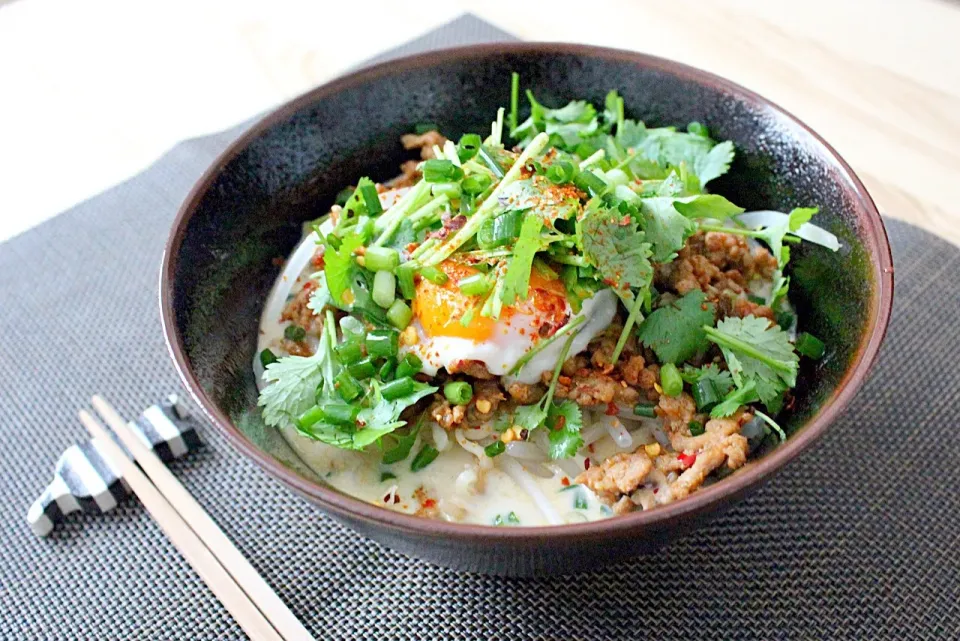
206 529
183 538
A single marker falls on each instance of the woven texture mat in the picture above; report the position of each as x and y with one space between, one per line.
858 539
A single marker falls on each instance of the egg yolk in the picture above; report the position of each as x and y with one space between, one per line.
439 308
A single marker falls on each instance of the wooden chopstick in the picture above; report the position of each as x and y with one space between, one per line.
193 550
206 529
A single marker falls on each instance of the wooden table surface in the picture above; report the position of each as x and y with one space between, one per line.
92 92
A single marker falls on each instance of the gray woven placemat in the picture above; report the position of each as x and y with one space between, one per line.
859 539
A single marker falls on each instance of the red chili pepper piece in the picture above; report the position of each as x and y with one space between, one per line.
612 409
687 460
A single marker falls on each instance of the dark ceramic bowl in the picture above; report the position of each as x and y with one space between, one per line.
248 209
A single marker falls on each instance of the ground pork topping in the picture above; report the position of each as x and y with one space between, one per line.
618 475
424 142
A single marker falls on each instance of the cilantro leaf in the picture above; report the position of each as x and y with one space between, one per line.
404 443
707 206
667 147
721 378
759 352
382 417
675 331
293 382
666 228
340 267
612 243
735 400
714 163
517 279
567 125
530 416
565 440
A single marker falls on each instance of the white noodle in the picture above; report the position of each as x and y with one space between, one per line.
470 481
593 433
617 431
570 466
440 438
524 480
537 469
477 433
484 461
526 451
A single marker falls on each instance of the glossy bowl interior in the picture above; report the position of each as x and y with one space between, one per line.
248 208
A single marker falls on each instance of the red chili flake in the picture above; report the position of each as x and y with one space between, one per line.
317 260
625 220
429 503
590 448
586 464
396 499
687 460
386 498
560 423
360 251
656 489
564 380
564 481
612 409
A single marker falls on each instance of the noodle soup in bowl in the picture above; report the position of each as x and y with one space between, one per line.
520 422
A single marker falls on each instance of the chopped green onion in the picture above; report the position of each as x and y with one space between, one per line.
399 314
336 413
696 428
425 127
476 184
705 394
590 182
294 333
450 190
514 101
424 457
561 172
698 129
468 147
267 357
371 199
646 410
496 448
382 343
387 476
434 275
405 280
347 386
458 392
468 204
579 499
386 370
500 231
362 369
758 300
786 318
349 352
490 162
810 346
397 389
410 365
441 171
384 288
592 159
476 285
343 196
381 258
670 381
513 518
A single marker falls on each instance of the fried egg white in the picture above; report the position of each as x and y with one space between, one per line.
444 342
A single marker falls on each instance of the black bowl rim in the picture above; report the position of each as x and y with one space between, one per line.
702 501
